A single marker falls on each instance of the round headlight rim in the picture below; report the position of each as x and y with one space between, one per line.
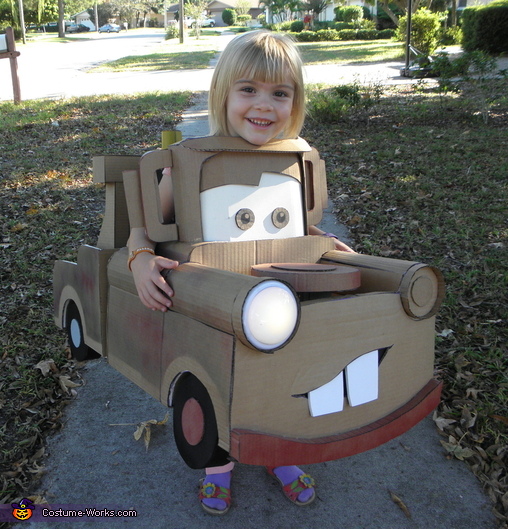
266 284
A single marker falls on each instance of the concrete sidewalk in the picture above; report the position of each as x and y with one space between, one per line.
95 462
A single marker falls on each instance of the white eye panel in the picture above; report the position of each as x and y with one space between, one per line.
275 193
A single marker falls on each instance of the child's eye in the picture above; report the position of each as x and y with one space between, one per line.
281 93
247 89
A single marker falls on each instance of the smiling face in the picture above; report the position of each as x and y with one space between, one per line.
259 111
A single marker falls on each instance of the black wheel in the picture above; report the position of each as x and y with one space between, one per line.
79 350
194 425
212 24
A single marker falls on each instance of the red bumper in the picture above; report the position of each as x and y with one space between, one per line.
260 449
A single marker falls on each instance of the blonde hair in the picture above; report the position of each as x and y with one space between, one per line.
263 56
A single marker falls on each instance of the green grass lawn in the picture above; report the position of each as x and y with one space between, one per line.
169 55
183 60
342 52
197 53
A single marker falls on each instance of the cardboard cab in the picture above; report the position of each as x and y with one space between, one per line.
278 349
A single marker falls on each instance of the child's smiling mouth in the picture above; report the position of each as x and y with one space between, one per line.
260 122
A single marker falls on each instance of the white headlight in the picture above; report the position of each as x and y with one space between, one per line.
270 315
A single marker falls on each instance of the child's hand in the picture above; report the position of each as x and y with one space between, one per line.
339 245
154 292
342 247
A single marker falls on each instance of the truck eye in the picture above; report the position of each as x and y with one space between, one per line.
245 218
280 217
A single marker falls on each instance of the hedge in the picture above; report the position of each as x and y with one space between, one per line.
324 35
485 28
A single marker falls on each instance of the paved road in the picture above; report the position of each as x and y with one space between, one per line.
92 463
49 70
56 70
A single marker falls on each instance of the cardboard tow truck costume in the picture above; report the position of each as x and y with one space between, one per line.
278 348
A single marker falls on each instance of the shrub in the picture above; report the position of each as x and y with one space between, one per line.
229 16
284 26
324 35
325 107
367 15
450 36
348 13
332 104
322 24
386 33
327 35
172 31
425 26
469 21
486 27
338 26
306 36
365 24
348 34
243 19
297 26
367 34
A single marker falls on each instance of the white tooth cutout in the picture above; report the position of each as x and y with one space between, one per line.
328 398
362 379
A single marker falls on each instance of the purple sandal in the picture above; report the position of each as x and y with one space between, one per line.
295 488
209 490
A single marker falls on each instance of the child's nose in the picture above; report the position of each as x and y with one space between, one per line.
263 102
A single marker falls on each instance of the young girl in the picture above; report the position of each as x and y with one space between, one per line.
257 93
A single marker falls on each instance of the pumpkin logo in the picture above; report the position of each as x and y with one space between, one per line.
22 510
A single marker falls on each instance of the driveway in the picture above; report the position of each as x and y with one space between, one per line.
59 70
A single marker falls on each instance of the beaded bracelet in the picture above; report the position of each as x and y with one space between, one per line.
136 252
331 235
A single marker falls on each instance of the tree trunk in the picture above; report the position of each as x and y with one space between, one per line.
454 13
390 13
61 21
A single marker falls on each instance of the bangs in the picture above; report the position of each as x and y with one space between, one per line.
274 70
267 63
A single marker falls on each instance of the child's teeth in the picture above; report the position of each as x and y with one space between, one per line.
257 122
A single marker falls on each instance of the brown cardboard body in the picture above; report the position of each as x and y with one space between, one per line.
260 397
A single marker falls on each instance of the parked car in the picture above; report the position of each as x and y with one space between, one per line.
50 27
277 348
77 28
204 22
109 28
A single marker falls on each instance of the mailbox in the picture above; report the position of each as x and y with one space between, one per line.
3 43
8 51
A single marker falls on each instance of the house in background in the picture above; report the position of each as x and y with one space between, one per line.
462 4
216 7
84 18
